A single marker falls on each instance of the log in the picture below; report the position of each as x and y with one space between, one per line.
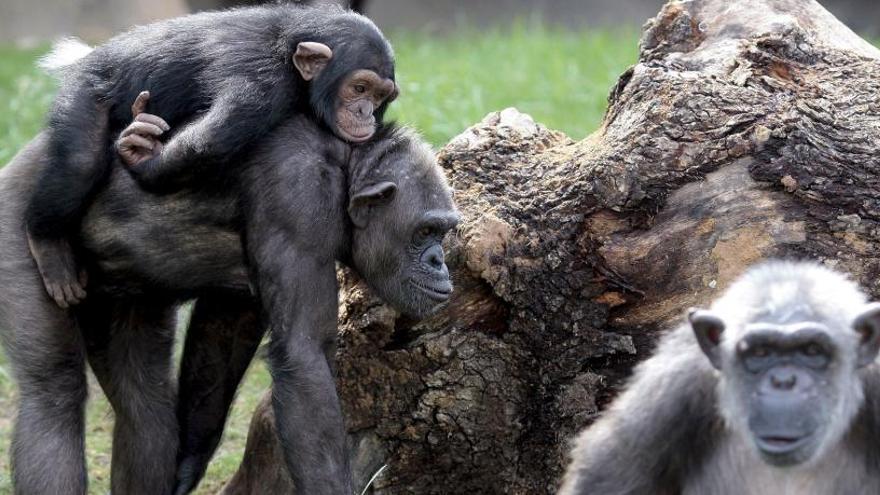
746 130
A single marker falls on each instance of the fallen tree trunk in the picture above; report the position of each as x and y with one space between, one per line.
747 130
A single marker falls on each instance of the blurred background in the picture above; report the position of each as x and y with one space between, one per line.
457 60
33 21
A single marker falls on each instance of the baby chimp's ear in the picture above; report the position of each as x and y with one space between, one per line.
311 58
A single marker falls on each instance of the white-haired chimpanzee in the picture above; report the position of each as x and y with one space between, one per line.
302 201
220 81
774 390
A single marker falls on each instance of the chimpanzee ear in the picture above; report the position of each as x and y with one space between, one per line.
708 328
363 201
867 324
395 92
311 58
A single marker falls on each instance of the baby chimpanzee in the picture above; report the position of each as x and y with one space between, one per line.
221 80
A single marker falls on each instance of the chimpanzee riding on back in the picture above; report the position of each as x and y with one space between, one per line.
221 80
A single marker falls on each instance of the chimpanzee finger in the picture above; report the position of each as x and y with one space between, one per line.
142 129
66 292
58 296
140 103
135 141
153 119
78 293
83 278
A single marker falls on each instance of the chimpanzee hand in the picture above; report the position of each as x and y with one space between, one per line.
57 266
140 140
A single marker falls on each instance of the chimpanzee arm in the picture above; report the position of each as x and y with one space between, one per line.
656 432
238 116
299 295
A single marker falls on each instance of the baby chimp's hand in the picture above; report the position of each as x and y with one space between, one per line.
140 140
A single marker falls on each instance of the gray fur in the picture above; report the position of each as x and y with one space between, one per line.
679 427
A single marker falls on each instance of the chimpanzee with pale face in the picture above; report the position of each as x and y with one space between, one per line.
219 81
773 390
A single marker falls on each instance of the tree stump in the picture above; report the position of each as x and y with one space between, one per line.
746 130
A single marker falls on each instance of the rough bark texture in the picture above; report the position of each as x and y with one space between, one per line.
746 130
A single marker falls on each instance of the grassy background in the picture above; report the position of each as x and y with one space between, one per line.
560 77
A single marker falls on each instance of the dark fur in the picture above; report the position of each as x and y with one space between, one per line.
150 252
358 6
683 427
224 333
222 80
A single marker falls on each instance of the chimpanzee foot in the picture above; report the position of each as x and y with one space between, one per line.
189 472
57 267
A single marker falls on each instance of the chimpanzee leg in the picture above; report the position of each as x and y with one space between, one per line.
130 348
47 358
78 159
224 333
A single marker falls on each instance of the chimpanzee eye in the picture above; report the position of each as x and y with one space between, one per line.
425 232
757 359
815 356
812 350
360 88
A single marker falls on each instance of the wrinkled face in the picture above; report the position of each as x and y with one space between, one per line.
399 228
791 387
361 93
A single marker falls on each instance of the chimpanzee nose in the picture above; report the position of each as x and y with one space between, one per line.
364 109
783 379
434 259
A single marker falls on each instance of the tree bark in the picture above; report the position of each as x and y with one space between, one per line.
746 130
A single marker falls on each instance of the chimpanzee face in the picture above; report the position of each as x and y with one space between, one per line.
401 217
351 100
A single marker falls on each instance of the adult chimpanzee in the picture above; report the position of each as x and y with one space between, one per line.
221 80
306 200
773 391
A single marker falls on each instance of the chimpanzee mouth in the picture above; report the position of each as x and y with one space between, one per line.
780 445
436 293
358 133
361 135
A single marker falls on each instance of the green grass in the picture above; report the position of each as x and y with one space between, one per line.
561 78
25 94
